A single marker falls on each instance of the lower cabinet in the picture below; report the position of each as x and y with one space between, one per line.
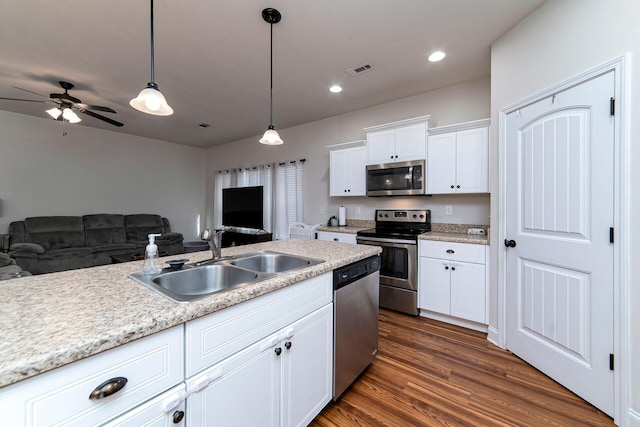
283 380
119 380
336 237
166 410
452 280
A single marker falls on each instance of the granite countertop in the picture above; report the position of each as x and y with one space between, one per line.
50 320
347 229
455 237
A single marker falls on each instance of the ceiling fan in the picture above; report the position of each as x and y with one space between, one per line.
66 104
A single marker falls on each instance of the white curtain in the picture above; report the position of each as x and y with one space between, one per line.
288 198
247 177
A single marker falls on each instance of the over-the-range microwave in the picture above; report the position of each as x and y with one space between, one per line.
396 179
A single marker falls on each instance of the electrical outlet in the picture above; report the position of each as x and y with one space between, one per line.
321 210
448 210
476 231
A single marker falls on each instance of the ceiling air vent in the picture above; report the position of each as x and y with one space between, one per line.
359 70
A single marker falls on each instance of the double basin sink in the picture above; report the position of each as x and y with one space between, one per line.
199 280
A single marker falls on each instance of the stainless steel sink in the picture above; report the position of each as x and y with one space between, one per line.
202 279
273 262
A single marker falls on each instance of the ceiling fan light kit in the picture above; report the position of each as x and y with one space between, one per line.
150 100
271 137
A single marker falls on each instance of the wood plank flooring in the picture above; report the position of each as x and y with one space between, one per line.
430 373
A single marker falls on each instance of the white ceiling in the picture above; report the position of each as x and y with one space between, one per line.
212 57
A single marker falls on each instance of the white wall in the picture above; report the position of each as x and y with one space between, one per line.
43 172
460 103
560 40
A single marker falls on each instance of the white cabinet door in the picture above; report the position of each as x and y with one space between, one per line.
338 172
410 142
472 161
441 163
337 237
347 172
468 291
307 367
241 391
434 285
358 171
380 147
458 162
166 410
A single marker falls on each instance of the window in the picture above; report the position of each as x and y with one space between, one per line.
282 193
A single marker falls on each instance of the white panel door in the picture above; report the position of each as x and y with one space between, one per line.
559 210
435 285
338 172
411 142
357 171
380 147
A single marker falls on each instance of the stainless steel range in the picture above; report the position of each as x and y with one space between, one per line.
397 233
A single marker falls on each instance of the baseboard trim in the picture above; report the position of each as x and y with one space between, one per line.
634 418
454 321
492 335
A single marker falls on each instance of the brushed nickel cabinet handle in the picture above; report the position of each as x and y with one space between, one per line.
108 388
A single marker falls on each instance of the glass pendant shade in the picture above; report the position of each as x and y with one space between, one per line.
70 116
54 112
151 101
271 137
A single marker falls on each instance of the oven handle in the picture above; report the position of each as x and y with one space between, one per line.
364 240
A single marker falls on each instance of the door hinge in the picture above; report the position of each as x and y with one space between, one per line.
612 106
611 362
611 235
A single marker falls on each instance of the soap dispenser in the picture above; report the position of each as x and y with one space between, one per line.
151 262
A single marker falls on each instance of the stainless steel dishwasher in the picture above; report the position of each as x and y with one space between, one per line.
356 290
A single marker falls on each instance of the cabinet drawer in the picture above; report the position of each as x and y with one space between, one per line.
61 397
452 251
214 337
336 237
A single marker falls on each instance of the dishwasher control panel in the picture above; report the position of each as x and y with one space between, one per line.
352 272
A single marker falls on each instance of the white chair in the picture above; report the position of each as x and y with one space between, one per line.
300 230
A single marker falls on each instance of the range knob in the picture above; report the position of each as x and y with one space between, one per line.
386 215
421 216
415 216
380 215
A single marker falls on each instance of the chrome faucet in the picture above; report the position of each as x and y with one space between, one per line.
215 241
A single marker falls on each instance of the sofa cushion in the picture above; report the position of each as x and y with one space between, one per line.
16 231
139 226
104 229
65 253
30 247
55 232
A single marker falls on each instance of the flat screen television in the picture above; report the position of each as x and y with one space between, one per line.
243 207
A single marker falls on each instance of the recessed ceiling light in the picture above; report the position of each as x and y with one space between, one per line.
437 56
335 89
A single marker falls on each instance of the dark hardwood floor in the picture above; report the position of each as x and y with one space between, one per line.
430 373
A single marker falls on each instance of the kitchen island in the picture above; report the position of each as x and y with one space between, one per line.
51 320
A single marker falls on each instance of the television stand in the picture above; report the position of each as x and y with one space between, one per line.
235 238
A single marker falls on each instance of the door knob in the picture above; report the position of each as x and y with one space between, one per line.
510 243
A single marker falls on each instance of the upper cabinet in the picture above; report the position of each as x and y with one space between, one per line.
398 141
458 158
347 171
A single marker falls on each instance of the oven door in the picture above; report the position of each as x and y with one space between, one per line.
398 261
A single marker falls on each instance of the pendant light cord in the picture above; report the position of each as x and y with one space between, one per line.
152 46
271 82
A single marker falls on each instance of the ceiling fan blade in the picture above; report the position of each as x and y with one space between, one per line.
25 100
30 91
99 117
97 108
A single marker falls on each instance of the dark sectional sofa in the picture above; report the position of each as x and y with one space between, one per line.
55 243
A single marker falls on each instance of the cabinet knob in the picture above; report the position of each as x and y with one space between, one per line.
453 268
108 388
335 239
451 251
288 345
345 190
458 186
349 191
451 185
278 351
178 416
446 267
510 243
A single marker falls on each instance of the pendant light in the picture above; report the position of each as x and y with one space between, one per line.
150 100
271 137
